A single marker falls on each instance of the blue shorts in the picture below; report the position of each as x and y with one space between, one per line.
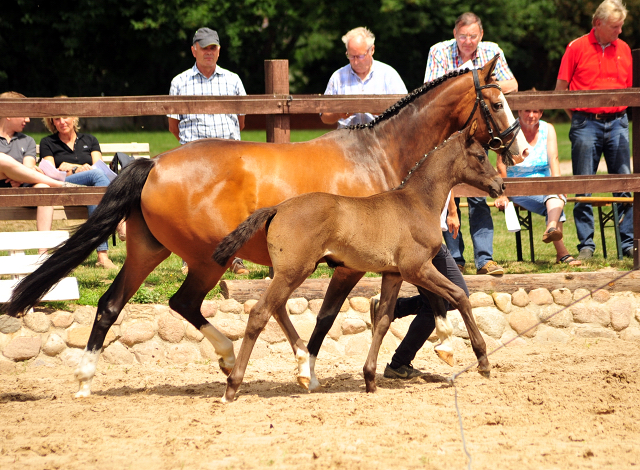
538 204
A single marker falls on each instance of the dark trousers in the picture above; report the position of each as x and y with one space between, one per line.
424 323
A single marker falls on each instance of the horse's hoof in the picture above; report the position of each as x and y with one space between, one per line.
446 356
83 394
485 373
314 384
304 382
224 368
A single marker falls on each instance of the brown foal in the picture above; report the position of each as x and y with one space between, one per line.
396 233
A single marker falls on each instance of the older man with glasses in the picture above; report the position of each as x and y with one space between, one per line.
362 76
468 50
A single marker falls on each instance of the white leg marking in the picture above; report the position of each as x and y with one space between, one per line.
222 345
444 330
304 372
85 372
314 384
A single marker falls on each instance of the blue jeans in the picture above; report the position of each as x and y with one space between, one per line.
424 323
590 139
93 177
481 228
537 204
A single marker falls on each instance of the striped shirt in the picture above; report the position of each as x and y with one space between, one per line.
444 57
381 80
201 126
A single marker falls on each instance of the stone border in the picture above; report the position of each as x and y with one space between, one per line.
155 334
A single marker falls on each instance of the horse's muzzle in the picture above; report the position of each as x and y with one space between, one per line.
497 187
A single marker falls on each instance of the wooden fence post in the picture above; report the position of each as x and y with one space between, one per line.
635 115
276 77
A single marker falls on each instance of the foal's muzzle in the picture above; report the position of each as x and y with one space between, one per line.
497 187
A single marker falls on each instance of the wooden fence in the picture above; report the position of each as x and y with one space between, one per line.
279 106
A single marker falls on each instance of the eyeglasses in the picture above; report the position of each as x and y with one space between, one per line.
359 57
464 37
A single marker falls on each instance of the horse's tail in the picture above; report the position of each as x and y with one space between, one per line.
241 235
122 195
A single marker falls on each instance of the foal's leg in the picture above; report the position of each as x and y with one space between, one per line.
444 329
391 283
342 282
144 253
299 349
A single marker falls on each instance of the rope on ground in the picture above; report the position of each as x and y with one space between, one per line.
452 380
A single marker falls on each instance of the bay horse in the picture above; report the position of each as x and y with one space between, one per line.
396 233
188 199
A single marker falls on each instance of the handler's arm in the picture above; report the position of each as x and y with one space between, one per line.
174 129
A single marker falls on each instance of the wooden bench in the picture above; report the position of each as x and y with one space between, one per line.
18 264
135 149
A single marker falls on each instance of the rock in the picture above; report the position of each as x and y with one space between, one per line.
357 345
248 305
345 306
562 296
70 357
232 329
547 334
22 348
9 324
231 306
144 312
601 296
621 311
584 294
638 314
170 329
207 351
136 332
336 329
151 352
541 296
502 301
61 319
78 336
297 306
333 348
459 327
304 325
192 334
511 340
36 321
492 344
390 344
631 334
84 314
315 304
490 320
54 345
521 319
480 299
520 298
182 353
209 308
593 331
272 333
121 317
360 304
117 353
353 326
400 326
591 312
260 349
549 314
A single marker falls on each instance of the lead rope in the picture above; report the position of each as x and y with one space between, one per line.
452 380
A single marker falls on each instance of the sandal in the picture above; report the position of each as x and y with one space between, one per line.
570 260
552 235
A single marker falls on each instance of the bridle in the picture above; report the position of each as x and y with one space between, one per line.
496 142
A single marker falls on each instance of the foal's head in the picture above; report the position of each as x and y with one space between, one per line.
473 167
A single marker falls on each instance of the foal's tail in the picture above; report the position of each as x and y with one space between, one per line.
241 235
122 195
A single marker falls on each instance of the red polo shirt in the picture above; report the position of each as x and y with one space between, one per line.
586 66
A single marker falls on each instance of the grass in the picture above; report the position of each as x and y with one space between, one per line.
165 280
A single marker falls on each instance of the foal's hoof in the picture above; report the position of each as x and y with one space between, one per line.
224 367
304 382
446 356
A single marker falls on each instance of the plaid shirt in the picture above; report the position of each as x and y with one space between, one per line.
200 126
444 57
382 80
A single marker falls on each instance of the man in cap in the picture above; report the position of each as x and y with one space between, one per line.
206 77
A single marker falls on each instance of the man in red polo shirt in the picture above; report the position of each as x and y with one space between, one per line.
599 61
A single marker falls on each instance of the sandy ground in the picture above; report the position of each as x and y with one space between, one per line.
546 406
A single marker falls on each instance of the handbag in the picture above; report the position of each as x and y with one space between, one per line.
120 161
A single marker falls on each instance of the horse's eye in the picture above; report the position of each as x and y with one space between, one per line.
498 105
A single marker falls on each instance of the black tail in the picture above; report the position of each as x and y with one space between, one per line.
122 195
241 235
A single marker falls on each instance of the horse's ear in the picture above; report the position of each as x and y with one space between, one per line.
489 67
470 130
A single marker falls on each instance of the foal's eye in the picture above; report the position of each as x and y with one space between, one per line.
481 157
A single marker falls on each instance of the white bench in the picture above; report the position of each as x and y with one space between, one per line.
18 264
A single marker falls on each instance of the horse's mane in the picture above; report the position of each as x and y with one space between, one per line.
395 108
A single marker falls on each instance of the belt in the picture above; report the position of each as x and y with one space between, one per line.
604 117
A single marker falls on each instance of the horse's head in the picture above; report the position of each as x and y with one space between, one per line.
473 167
499 130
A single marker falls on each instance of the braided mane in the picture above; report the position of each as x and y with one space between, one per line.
395 108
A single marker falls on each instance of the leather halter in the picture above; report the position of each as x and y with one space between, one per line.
495 141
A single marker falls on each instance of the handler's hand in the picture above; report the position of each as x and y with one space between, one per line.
501 202
453 222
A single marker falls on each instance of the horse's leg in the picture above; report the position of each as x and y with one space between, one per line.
391 283
444 329
144 253
342 282
299 349
432 280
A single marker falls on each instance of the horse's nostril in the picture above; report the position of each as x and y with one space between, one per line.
504 186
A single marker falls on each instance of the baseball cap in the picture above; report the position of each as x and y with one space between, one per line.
206 37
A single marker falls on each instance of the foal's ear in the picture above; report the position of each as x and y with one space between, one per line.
470 131
489 67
